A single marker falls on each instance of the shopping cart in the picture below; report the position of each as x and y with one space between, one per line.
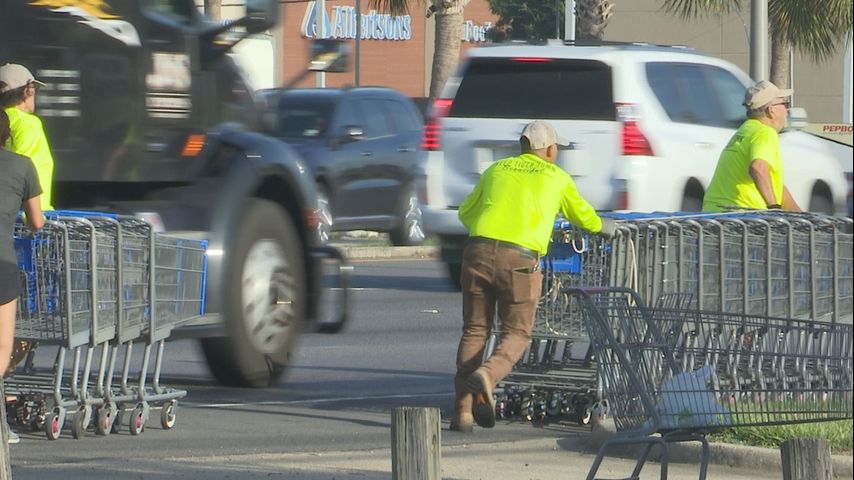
66 304
98 282
163 285
683 376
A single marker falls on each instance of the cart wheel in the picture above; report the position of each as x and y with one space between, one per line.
137 420
53 425
167 415
104 419
584 416
117 421
80 422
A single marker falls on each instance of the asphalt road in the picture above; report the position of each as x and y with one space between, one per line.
398 350
330 417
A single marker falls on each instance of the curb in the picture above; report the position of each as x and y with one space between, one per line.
744 456
352 252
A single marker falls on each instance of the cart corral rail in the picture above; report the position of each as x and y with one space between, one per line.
767 264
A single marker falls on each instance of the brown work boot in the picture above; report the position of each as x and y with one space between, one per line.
480 384
463 423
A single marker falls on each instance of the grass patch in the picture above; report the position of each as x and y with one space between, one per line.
837 433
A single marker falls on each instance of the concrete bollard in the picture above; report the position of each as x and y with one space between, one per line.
806 459
416 443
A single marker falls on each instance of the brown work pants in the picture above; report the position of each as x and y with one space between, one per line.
495 276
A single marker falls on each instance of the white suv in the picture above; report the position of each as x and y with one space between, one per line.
647 122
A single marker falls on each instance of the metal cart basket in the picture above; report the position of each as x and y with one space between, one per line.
684 373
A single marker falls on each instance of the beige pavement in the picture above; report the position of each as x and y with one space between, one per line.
540 459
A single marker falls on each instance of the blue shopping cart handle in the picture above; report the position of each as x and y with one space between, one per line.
55 214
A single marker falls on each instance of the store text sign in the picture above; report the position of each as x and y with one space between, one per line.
375 26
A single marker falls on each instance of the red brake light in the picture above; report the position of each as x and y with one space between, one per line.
433 128
634 142
532 59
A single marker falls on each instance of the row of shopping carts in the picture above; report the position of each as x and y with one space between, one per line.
766 264
94 286
673 375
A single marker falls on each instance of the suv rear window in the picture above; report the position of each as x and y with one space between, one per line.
541 88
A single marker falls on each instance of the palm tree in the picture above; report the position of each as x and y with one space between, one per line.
591 18
449 23
814 27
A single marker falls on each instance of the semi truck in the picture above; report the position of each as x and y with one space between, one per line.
146 114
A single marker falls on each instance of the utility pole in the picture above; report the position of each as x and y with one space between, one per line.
759 40
569 20
320 29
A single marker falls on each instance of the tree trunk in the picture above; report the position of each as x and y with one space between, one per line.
449 24
780 51
213 9
591 18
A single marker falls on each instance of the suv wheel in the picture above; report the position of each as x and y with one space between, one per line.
324 216
819 203
411 228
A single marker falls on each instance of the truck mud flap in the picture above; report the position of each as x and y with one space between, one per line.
334 294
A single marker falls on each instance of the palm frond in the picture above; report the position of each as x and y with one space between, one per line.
815 27
393 7
700 8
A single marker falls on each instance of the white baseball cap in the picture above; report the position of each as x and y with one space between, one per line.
762 93
542 134
15 76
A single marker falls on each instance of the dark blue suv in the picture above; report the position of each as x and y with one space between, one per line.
362 146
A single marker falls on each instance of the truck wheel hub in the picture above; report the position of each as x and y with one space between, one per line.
268 296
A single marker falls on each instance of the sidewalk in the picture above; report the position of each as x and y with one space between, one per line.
539 459
359 245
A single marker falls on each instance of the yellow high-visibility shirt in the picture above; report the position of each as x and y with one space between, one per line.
732 185
28 139
517 199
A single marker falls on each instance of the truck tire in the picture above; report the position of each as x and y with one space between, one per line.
263 299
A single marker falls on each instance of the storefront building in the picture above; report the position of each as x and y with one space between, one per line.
395 51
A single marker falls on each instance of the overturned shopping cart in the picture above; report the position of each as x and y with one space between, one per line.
672 375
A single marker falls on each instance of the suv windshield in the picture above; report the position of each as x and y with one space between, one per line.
303 118
542 88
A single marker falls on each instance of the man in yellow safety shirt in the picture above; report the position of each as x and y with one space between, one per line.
18 99
749 174
510 216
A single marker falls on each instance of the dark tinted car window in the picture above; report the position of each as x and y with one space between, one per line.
347 115
535 88
402 117
299 117
730 93
697 94
376 122
704 101
662 80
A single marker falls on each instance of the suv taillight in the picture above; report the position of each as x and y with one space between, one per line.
433 128
633 140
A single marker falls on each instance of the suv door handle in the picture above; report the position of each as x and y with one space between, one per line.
703 145
366 154
405 149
